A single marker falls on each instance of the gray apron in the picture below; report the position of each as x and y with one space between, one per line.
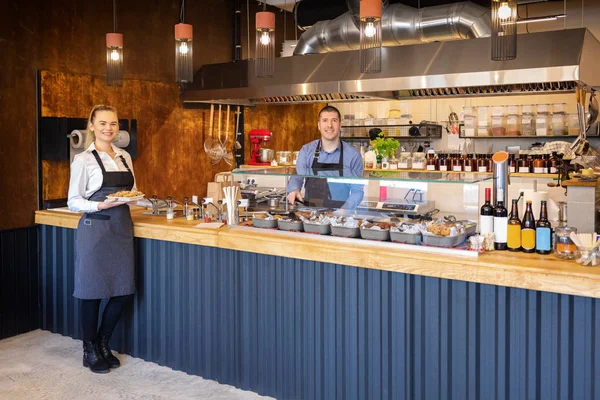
104 261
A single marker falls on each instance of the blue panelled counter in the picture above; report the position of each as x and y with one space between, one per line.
300 316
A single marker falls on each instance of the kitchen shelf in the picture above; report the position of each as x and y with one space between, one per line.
520 137
514 174
399 132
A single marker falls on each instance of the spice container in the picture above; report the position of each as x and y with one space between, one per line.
559 124
284 157
573 124
513 125
405 160
542 120
418 160
470 119
393 163
444 162
498 121
559 108
483 128
564 248
528 121
432 162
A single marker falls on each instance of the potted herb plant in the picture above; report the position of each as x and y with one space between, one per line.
384 148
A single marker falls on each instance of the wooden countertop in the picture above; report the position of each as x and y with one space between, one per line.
518 270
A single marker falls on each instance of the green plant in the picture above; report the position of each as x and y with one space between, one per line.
385 147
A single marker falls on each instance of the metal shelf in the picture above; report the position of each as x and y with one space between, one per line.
399 132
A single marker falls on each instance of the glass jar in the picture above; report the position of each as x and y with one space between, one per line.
284 157
482 116
564 248
559 124
524 164
432 162
393 163
513 125
498 125
470 125
404 162
587 256
483 130
444 162
482 164
457 163
560 108
512 163
542 120
539 164
572 124
468 164
553 163
528 121
418 160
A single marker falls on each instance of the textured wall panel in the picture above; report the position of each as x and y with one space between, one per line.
297 329
19 307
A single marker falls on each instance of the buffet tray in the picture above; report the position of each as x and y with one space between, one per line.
374 234
264 223
321 229
444 241
408 238
343 231
291 225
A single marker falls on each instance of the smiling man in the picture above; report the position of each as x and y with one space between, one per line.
328 156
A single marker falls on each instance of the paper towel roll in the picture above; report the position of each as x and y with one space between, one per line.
122 139
536 198
80 139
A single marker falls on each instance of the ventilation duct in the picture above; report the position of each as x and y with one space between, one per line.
401 25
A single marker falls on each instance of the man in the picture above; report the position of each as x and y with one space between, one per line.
328 156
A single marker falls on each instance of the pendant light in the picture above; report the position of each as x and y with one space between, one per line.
265 44
370 36
114 54
504 30
184 61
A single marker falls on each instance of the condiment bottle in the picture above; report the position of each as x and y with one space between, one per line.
186 207
482 165
564 248
543 232
432 162
486 218
514 228
457 163
443 162
528 230
538 164
512 164
500 226
468 167
523 165
546 158
553 163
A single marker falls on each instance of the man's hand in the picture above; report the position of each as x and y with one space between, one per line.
293 196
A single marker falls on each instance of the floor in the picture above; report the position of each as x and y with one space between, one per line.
44 365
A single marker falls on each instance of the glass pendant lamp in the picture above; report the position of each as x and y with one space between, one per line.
265 44
370 36
504 30
184 60
114 54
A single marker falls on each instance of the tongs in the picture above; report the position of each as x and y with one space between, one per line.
581 145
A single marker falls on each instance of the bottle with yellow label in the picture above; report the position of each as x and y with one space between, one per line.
528 230
514 228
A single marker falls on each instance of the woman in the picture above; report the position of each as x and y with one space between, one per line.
104 262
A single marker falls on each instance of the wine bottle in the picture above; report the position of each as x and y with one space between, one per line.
543 232
514 228
528 230
500 226
486 219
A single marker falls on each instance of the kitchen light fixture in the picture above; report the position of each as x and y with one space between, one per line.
370 36
265 43
184 55
504 30
537 19
114 54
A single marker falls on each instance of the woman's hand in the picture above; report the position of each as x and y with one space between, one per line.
110 204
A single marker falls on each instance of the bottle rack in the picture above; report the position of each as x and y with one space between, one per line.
403 132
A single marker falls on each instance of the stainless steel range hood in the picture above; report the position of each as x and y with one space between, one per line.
554 61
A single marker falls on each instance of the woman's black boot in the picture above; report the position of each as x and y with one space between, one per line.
93 359
104 349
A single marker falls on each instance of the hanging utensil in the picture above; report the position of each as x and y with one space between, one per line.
238 145
581 145
216 152
227 154
592 111
209 141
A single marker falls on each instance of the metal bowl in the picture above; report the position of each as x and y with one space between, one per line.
321 229
266 155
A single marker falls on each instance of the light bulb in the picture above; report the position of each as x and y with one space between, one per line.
265 39
114 55
183 48
504 12
370 30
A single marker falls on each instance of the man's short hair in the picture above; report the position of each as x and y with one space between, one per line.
330 109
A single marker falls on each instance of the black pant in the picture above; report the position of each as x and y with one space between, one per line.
88 313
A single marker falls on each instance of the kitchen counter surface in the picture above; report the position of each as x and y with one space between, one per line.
518 270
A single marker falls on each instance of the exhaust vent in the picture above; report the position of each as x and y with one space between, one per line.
550 87
314 98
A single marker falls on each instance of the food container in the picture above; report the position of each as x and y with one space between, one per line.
375 234
470 125
284 157
408 238
295 155
498 125
527 124
264 223
405 160
296 226
564 248
483 130
542 124
443 241
559 124
482 115
587 256
321 229
514 109
418 160
573 124
343 231
559 108
513 125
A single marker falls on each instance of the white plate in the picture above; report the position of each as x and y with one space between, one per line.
125 199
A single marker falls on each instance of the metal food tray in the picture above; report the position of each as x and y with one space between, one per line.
344 231
374 234
321 229
444 241
291 225
264 223
403 237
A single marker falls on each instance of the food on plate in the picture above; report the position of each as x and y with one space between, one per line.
126 193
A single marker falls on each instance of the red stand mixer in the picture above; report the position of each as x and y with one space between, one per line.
258 137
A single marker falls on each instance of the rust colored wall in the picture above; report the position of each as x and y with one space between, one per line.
68 36
292 125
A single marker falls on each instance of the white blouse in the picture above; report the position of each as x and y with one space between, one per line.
86 176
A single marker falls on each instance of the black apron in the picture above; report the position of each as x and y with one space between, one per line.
104 261
316 190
